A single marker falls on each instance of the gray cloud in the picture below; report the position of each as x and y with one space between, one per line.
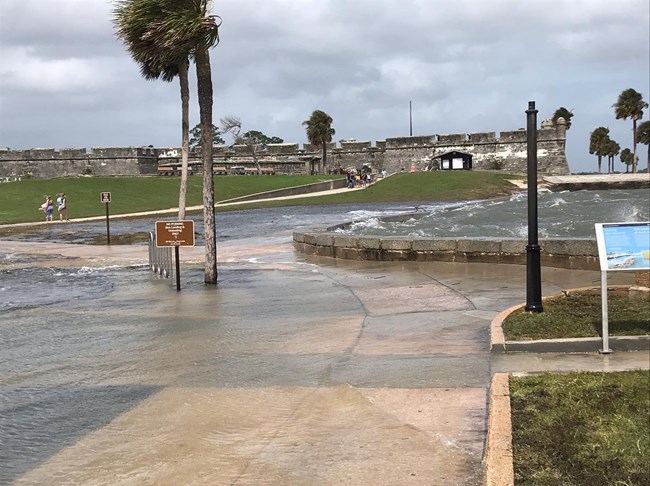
467 65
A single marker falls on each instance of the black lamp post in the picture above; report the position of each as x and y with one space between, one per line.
533 261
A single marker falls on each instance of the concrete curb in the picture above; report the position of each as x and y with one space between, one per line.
498 343
499 469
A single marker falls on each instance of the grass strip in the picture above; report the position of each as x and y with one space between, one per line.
579 315
581 429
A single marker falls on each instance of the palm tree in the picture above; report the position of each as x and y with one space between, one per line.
163 33
133 20
630 104
643 136
598 144
320 133
612 149
564 113
626 158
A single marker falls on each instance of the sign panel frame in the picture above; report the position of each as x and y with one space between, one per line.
174 233
623 246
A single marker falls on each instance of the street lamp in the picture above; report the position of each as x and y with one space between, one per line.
533 261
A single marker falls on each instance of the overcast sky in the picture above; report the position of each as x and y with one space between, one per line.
466 66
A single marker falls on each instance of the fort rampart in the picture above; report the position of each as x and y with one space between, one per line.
490 151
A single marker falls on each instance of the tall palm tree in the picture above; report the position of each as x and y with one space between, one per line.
612 149
133 20
184 27
630 104
643 136
320 133
598 144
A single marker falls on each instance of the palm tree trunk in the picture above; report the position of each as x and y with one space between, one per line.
600 163
185 136
634 143
323 160
204 83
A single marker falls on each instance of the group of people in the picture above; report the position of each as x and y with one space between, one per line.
61 206
358 179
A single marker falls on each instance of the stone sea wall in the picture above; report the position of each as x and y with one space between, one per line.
575 254
490 151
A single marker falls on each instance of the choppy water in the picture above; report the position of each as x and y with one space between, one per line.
564 214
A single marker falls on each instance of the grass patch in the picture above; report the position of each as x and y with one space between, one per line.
581 429
407 187
579 315
19 201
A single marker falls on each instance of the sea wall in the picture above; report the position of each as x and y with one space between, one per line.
491 151
576 254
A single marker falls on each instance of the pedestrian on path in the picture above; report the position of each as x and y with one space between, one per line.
47 207
62 206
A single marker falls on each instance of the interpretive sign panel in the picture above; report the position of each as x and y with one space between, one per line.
623 246
105 197
174 233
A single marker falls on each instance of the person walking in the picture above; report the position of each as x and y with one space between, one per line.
48 207
62 207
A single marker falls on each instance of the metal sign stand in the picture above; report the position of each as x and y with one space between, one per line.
629 242
603 296
105 197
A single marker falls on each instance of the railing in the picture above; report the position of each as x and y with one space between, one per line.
161 260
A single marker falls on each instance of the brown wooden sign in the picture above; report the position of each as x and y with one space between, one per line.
174 233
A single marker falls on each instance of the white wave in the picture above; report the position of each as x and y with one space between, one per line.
558 202
94 270
373 222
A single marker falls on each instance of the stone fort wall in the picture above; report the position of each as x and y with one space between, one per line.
491 151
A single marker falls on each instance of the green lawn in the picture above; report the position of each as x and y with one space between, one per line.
419 186
581 429
579 315
19 201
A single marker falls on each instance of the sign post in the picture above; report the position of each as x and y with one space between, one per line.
176 234
105 197
621 247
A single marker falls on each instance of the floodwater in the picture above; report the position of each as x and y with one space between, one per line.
563 215
294 370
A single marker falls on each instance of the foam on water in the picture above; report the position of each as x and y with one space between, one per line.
566 214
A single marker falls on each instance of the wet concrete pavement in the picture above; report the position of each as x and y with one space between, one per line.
300 370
